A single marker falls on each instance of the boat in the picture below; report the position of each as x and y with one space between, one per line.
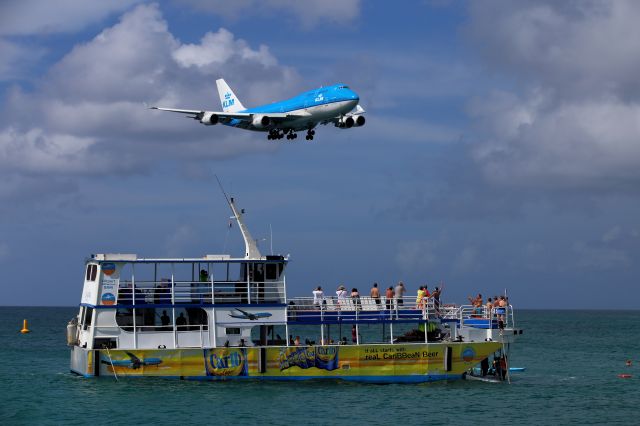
220 317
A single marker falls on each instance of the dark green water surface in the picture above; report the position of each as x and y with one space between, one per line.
572 360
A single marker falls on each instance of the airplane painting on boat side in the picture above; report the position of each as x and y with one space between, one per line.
133 362
249 316
337 105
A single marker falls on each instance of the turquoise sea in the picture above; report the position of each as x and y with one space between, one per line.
572 360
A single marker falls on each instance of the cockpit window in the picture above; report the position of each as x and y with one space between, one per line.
343 87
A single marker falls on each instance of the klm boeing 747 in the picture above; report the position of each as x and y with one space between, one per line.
336 104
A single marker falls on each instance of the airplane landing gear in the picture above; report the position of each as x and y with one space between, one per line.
310 134
274 134
292 135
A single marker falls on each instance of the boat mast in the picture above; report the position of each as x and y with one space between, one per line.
251 248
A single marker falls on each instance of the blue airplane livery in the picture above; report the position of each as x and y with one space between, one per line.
337 105
248 315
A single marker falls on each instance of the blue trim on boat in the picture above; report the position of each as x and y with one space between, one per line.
186 305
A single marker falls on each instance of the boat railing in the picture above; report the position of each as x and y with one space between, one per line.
199 292
362 308
474 316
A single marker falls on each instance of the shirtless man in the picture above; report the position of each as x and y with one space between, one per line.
375 294
476 303
389 297
501 310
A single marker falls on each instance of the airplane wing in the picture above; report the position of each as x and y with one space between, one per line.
226 117
133 357
244 312
197 113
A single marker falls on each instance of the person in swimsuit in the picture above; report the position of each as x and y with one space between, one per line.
375 294
389 297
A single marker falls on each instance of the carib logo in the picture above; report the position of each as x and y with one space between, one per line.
228 100
226 362
468 354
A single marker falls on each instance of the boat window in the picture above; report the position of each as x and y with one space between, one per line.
273 270
92 271
88 315
160 319
233 331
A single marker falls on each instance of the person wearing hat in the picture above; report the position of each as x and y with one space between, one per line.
342 295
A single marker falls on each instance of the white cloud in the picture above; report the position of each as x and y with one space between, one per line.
37 152
86 116
309 12
217 48
576 121
28 17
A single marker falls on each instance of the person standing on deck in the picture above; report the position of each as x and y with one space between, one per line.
399 293
355 297
420 298
426 296
476 302
501 310
436 297
342 295
318 296
375 294
389 297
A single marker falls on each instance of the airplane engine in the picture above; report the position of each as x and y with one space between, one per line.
261 121
346 122
209 119
360 120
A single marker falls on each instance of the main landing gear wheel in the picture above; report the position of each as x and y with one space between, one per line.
310 135
274 134
292 135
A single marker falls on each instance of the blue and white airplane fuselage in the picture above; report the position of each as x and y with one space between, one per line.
336 104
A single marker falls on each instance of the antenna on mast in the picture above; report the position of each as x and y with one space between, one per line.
251 248
271 238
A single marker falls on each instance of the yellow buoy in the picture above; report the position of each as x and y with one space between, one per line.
25 330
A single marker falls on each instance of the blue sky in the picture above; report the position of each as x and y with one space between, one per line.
501 150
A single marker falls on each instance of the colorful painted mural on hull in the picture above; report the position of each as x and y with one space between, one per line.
410 362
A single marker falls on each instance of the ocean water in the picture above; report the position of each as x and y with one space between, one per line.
572 360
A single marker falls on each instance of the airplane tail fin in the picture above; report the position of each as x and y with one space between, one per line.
228 99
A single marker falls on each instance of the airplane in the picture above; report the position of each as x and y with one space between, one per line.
249 316
134 362
336 104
